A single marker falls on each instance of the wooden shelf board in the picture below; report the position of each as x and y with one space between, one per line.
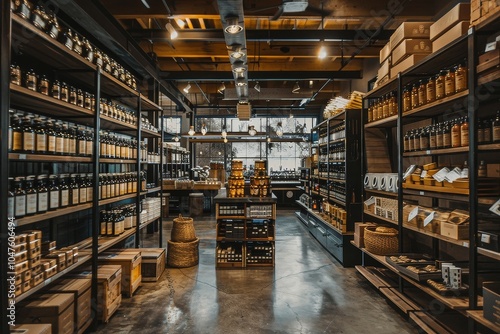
456 303
48 158
388 122
81 260
463 243
427 323
382 192
227 265
442 190
230 217
383 89
489 147
337 180
489 253
108 242
118 90
109 123
153 190
47 105
336 200
372 278
478 316
147 222
436 107
437 152
148 105
330 226
116 199
117 161
149 134
263 265
51 214
371 214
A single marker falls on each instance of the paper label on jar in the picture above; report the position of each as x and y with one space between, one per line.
10 207
42 201
89 148
41 142
82 147
31 203
54 199
17 141
64 197
29 141
83 195
52 144
90 194
20 205
59 145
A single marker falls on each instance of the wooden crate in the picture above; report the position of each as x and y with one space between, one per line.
109 296
153 262
55 309
131 268
80 288
32 329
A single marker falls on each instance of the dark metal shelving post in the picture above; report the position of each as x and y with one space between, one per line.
139 182
5 30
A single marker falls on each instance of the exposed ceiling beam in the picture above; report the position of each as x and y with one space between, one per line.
261 75
216 35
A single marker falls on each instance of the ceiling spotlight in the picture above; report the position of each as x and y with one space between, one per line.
204 129
187 88
279 130
311 83
224 133
191 131
221 88
146 4
233 25
257 87
251 130
237 52
240 82
171 30
225 140
322 52
296 88
180 23
239 67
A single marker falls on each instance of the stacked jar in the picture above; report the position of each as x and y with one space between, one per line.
384 107
236 181
260 182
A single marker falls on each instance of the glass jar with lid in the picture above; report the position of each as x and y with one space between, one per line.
56 90
43 85
17 133
67 39
432 137
74 189
31 80
385 106
88 50
430 90
72 95
28 134
89 137
414 96
406 99
77 44
87 101
424 138
15 74
90 187
82 184
422 92
393 104
40 136
64 92
38 18
64 182
53 28
23 9
43 193
455 134
79 98
447 135
461 77
464 132
98 57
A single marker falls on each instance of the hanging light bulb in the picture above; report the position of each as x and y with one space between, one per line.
176 138
322 53
204 129
187 88
268 139
191 131
171 30
251 130
225 140
279 130
224 133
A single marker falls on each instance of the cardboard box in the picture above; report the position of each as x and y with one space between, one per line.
130 262
454 231
109 296
385 52
451 35
359 233
491 302
461 12
493 170
56 309
410 46
31 329
383 71
406 64
80 288
37 234
410 30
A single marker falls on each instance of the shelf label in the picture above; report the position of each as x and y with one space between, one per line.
421 193
485 238
441 175
455 173
429 218
413 213
490 46
428 152
495 208
465 244
22 156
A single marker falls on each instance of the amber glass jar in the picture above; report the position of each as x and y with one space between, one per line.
406 99
422 93
431 90
414 96
449 83
440 78
464 132
460 78
455 134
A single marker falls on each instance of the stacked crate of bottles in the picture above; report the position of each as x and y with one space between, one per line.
236 181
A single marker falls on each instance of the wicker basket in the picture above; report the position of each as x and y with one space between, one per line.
381 243
182 254
182 230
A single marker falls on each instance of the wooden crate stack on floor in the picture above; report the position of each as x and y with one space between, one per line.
183 244
153 262
130 260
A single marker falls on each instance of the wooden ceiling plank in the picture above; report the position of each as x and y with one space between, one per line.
189 23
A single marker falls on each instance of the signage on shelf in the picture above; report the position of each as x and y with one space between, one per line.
495 208
413 213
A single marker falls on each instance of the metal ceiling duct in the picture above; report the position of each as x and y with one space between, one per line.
232 18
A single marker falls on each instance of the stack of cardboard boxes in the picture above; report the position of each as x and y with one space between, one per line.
482 10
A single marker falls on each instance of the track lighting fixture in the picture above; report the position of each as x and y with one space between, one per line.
171 30
187 88
233 25
191 131
257 87
180 23
145 3
296 87
239 67
204 129
237 52
240 82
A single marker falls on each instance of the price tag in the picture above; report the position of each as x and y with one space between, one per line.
490 46
429 218
370 201
424 174
422 193
465 244
22 156
428 152
485 238
495 208
413 213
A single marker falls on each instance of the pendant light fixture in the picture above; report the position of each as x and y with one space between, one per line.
204 129
224 133
225 140
279 130
191 131
296 88
180 23
251 130
176 138
322 53
233 25
187 88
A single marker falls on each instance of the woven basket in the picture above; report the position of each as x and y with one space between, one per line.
182 254
182 230
381 243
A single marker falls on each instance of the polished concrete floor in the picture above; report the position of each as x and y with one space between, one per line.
307 292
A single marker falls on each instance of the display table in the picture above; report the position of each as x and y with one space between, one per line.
179 198
245 231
